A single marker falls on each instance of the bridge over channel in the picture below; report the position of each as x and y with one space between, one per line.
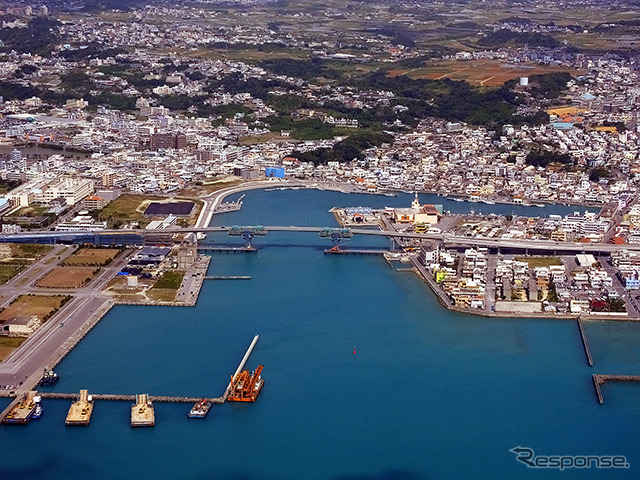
140 237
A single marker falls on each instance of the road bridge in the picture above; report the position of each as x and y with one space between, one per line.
445 238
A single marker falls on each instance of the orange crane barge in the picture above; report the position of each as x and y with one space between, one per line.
246 387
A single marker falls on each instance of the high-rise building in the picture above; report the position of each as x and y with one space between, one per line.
181 141
168 140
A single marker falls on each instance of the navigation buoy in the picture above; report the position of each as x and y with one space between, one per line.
354 350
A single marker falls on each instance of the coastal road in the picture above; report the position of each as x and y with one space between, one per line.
26 363
40 347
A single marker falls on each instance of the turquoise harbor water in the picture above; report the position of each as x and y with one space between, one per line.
431 394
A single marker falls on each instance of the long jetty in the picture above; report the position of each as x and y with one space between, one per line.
126 398
585 343
599 380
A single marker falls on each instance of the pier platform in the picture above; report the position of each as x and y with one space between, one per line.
142 413
81 410
23 410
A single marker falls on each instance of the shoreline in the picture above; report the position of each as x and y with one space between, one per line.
443 299
211 202
215 198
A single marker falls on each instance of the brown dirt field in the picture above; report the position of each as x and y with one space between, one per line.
8 345
562 111
162 294
40 305
92 256
67 277
487 73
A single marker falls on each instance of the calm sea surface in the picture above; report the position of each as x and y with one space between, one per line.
430 394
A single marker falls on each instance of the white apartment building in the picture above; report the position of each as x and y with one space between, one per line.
73 190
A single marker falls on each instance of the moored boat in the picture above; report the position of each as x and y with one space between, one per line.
200 409
49 377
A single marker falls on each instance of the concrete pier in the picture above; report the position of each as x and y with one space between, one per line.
585 343
599 380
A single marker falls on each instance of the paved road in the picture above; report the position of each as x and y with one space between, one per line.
41 346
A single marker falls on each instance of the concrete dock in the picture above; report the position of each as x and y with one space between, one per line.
142 413
81 410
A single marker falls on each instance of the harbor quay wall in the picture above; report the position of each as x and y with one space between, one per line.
190 303
78 335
